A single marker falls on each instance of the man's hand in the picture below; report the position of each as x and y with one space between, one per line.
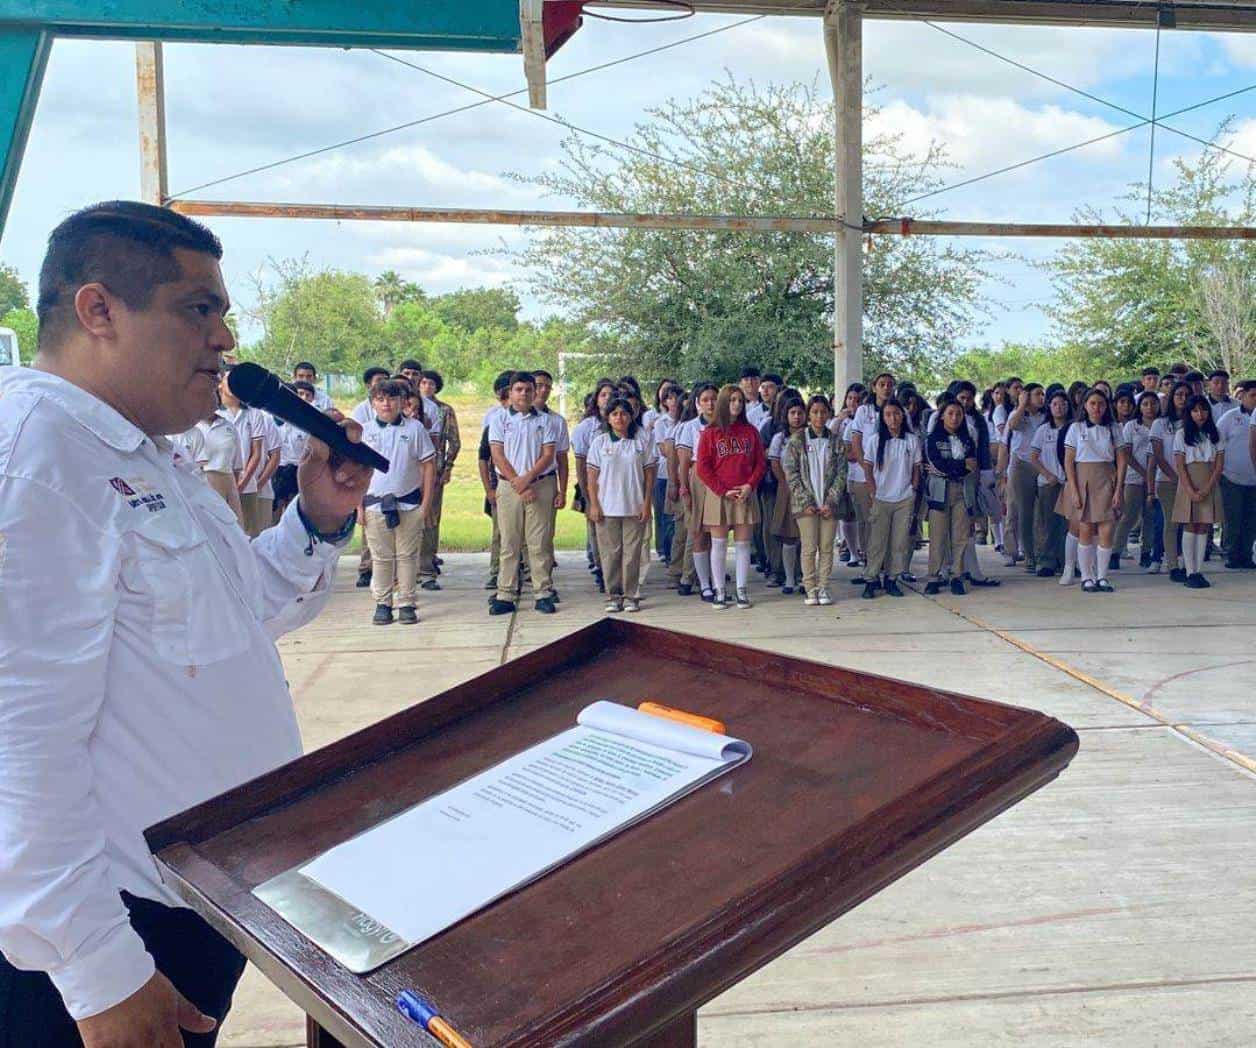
520 483
491 495
446 474
150 1018
527 495
826 511
644 515
594 513
331 487
560 500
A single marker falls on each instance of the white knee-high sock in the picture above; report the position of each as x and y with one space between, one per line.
789 558
1191 552
998 532
1086 561
1105 554
741 555
1070 555
850 533
702 566
719 559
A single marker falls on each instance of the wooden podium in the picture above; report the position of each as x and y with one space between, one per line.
855 780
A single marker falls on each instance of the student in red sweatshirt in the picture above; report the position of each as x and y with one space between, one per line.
731 463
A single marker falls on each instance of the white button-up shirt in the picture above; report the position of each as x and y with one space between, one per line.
138 671
407 446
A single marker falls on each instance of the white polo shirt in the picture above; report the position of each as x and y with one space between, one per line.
818 450
621 466
1045 442
582 434
854 470
150 685
248 427
491 414
1019 439
1204 451
757 413
776 447
557 435
522 436
1221 408
362 412
221 445
1234 428
1138 437
407 446
271 441
189 446
664 430
893 476
321 400
1092 443
292 444
688 434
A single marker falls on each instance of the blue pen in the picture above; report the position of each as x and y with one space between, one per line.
414 1007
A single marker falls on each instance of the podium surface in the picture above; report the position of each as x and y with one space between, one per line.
855 780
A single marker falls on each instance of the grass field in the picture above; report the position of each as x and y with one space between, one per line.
464 526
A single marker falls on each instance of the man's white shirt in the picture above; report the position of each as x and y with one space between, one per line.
137 627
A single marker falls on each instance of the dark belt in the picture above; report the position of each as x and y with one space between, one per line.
389 503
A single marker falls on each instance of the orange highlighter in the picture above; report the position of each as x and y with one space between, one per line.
657 709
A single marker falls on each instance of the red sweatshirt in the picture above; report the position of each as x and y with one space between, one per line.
728 458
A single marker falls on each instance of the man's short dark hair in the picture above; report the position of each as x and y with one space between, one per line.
1193 376
370 373
124 245
774 378
301 384
434 378
502 382
1148 372
1245 385
409 365
304 365
750 372
392 388
1219 373
538 372
523 376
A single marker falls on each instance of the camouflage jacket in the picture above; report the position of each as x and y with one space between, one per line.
798 476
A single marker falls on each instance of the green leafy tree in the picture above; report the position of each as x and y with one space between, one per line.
1130 303
392 291
25 325
482 307
704 303
13 293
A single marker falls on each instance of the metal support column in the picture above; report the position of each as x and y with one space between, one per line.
843 42
150 85
23 57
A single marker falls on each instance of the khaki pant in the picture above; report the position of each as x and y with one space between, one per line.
248 513
364 557
524 524
861 496
619 539
394 556
224 483
955 522
643 561
1023 485
816 536
264 514
430 544
889 541
1049 529
681 565
770 543
1166 492
1133 500
495 548
590 533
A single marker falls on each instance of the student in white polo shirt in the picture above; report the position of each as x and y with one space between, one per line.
1022 478
272 447
248 428
892 463
292 445
620 468
222 462
396 504
1238 478
362 414
307 372
562 447
521 442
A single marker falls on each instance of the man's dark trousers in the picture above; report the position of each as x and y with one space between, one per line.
201 964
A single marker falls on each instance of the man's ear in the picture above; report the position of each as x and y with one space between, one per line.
94 306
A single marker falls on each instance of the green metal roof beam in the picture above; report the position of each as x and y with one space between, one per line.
27 28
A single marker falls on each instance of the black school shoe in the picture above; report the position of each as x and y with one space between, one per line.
383 615
1103 586
685 589
407 616
957 587
431 585
1114 562
546 606
1090 586
500 607
985 583
933 587
869 591
1177 575
364 579
1046 573
1197 581
891 588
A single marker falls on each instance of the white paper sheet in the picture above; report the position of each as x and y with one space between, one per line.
442 860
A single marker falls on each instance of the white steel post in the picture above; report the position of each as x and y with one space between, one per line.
843 41
151 90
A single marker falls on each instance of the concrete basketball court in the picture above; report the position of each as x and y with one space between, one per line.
1114 907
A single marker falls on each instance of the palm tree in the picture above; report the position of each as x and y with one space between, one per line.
390 289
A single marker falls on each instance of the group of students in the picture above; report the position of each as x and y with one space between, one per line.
1059 478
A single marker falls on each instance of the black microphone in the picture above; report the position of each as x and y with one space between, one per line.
259 388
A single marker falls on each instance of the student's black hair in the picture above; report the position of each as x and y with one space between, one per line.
780 406
773 377
522 376
1180 369
410 364
1138 403
301 384
1148 371
1061 431
659 390
394 387
1008 382
124 245
791 401
502 382
1219 373
872 386
591 409
1194 434
962 385
435 378
1123 393
855 387
751 372
699 387
1193 376
370 373
538 372
883 431
987 403
818 398
304 364
1108 419
1053 389
1245 385
1170 412
620 403
1029 387
630 380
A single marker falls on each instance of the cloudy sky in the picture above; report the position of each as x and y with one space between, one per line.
232 108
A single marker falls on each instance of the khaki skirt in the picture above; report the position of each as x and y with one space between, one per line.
699 494
784 526
1205 511
725 513
1097 481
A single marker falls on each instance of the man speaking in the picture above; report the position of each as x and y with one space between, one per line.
138 671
